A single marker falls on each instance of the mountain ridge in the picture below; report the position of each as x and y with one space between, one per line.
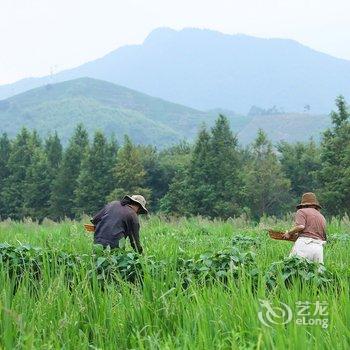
99 105
206 69
118 110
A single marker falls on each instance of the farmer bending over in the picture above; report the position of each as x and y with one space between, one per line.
310 228
118 220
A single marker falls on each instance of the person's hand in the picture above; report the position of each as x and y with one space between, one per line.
286 235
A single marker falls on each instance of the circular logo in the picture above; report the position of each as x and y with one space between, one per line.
270 315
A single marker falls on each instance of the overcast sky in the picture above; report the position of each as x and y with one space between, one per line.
37 36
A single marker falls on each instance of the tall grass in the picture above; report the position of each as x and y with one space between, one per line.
160 314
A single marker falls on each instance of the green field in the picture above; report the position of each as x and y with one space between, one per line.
186 297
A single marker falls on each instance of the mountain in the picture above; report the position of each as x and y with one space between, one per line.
148 120
100 105
205 69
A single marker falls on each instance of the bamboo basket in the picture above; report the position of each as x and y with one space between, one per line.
89 228
279 236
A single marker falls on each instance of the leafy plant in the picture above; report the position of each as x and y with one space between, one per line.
216 266
245 242
294 267
110 266
343 238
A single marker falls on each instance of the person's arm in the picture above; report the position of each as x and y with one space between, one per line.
97 217
134 235
295 230
300 223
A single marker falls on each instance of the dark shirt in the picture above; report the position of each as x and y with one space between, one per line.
114 222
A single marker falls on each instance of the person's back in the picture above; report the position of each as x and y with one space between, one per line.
118 220
313 221
310 228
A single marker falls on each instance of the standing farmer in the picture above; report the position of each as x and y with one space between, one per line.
118 220
310 227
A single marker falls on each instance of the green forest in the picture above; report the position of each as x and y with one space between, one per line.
215 177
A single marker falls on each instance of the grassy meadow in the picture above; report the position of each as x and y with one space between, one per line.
217 307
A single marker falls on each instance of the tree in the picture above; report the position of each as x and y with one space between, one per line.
130 174
266 188
173 179
37 187
53 149
5 150
20 158
224 170
200 194
53 153
171 160
65 183
95 180
35 140
334 176
112 153
155 178
210 185
300 163
175 200
190 191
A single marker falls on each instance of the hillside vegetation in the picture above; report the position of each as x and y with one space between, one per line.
114 109
99 105
39 179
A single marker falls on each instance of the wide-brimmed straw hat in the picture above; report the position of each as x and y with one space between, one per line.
309 198
137 198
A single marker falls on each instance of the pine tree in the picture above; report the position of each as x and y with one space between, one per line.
266 188
175 201
200 186
334 176
95 181
5 150
13 191
130 174
37 187
300 163
53 149
112 153
65 183
210 186
173 180
53 153
154 179
224 170
35 140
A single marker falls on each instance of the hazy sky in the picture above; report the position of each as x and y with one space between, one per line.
37 36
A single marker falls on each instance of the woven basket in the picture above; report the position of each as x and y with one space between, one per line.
279 236
89 227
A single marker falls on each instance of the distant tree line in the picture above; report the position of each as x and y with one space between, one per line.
215 177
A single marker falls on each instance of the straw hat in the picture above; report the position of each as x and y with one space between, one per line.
309 198
137 198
